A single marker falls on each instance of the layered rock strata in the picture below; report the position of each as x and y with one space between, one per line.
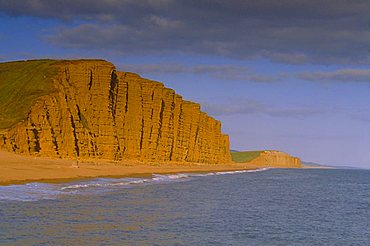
273 158
97 112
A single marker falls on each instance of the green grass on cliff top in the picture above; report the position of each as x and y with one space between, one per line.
244 156
21 83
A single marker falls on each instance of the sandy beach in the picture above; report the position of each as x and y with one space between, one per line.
17 169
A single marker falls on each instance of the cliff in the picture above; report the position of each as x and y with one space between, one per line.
267 158
86 109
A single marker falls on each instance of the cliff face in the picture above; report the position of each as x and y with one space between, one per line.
98 112
272 158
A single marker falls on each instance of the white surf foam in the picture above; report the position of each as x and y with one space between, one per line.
104 183
230 172
169 177
243 171
156 178
28 192
38 191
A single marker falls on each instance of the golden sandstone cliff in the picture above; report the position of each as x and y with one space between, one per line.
97 112
273 158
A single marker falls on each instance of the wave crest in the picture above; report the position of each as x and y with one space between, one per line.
39 191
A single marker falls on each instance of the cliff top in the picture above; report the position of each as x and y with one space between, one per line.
244 156
23 82
86 109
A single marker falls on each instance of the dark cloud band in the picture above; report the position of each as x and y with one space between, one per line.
294 32
341 75
221 72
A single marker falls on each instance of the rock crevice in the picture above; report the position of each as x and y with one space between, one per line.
98 112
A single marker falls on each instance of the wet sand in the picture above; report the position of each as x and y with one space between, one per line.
17 169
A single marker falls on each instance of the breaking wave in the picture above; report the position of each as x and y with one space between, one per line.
40 191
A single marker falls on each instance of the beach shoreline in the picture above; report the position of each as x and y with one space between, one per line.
19 169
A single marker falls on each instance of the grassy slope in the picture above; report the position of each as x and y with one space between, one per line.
21 83
244 156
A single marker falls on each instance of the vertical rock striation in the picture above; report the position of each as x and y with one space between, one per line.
273 158
98 112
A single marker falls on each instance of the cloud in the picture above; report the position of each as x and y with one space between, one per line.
341 75
294 32
222 72
296 112
81 9
156 68
246 107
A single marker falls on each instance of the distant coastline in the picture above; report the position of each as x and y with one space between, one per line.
306 164
317 167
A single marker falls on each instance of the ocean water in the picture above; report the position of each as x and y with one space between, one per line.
263 207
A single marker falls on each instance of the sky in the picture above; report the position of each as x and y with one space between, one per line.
285 75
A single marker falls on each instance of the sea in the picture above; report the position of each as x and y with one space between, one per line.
256 207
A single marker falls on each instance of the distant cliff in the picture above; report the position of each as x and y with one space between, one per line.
267 158
87 109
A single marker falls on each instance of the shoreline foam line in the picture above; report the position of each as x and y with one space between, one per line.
156 178
43 191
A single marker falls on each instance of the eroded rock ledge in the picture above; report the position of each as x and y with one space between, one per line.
97 112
